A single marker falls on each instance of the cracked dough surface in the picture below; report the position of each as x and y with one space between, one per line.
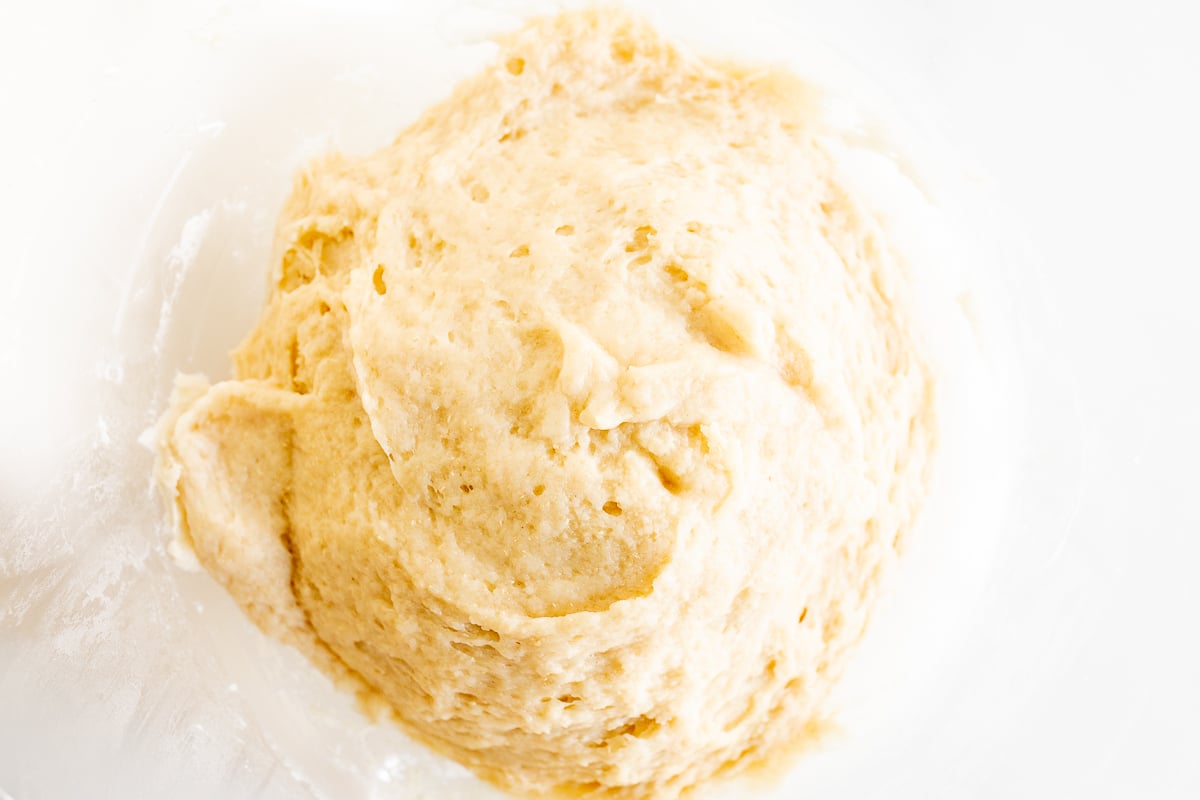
582 421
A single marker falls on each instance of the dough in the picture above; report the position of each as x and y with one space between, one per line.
582 422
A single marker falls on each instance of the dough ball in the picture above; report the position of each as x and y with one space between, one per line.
583 420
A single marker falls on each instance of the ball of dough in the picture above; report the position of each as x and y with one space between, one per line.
582 422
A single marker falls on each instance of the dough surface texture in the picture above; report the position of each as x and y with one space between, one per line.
581 424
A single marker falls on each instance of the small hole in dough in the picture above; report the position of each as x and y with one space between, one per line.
515 66
538 490
639 727
669 480
519 251
613 508
377 279
486 633
676 272
641 238
564 230
475 650
796 368
803 614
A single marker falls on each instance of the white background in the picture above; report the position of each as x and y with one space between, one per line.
1079 121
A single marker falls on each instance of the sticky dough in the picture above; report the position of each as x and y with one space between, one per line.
581 424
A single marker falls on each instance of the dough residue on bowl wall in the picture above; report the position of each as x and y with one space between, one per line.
582 422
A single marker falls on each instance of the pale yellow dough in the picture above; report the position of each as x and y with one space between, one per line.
582 421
